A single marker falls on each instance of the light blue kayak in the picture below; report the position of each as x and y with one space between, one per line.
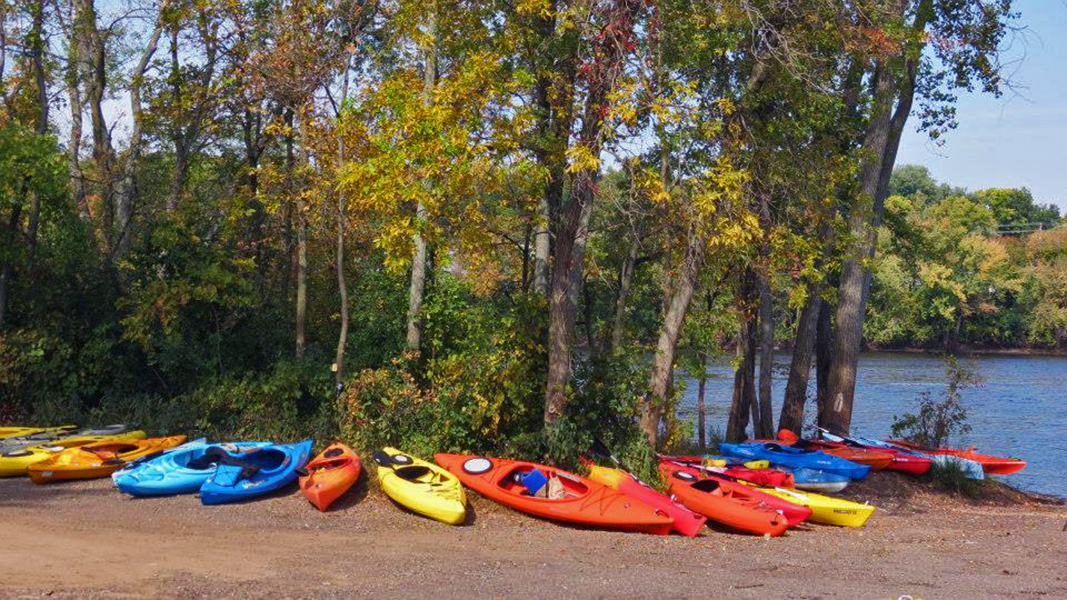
179 471
254 473
796 458
815 480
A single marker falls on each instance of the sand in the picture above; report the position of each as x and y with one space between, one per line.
84 539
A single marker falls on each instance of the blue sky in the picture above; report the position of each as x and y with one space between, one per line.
1020 139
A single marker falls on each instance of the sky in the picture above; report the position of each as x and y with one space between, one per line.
1019 139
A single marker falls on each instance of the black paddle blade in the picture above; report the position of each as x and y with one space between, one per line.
383 459
600 448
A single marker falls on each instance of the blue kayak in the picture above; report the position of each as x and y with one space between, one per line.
260 471
796 458
180 471
812 480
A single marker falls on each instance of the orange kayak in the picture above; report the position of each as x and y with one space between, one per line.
992 465
97 460
736 507
329 475
571 498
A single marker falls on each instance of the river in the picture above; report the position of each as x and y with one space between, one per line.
1015 412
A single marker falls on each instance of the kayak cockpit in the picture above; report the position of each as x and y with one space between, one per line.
515 483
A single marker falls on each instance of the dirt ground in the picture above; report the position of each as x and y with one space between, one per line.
84 539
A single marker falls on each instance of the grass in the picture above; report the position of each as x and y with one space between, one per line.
951 478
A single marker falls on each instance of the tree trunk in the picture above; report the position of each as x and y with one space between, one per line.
796 388
541 248
418 260
854 274
766 360
881 144
743 401
37 47
127 189
572 225
626 276
677 305
824 338
342 285
300 266
301 276
702 381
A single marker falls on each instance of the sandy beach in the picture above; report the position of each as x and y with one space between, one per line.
84 539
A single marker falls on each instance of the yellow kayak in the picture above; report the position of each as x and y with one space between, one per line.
15 462
824 509
423 487
10 432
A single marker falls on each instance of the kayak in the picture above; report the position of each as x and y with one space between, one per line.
793 513
182 470
421 486
98 459
754 471
244 475
554 494
905 461
825 509
796 458
14 463
329 475
686 522
55 434
736 508
10 432
819 481
991 465
875 459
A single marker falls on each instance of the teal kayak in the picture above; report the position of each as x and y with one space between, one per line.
180 471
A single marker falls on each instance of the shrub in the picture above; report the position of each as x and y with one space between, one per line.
938 420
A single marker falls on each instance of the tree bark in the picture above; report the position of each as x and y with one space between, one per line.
93 67
743 401
677 305
127 192
418 260
824 353
766 360
796 387
702 381
37 48
626 276
572 226
342 285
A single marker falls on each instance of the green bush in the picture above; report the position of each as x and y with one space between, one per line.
938 420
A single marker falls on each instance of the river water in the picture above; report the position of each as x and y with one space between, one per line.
1018 411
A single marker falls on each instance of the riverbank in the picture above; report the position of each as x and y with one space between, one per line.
83 539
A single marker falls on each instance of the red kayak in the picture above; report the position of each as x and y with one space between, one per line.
766 477
992 465
674 472
686 522
326 478
577 499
